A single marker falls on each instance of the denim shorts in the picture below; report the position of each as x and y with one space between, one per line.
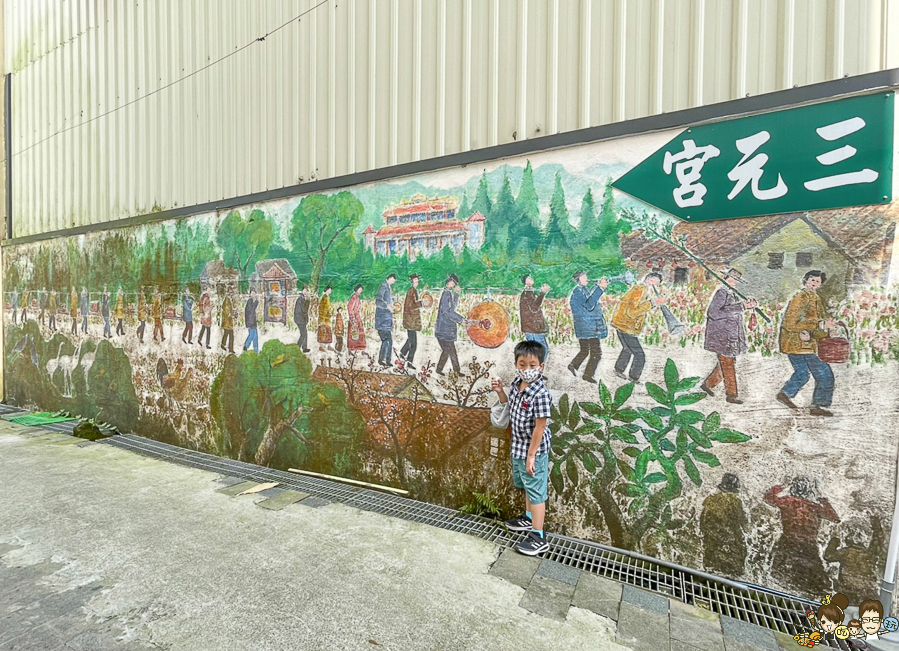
534 486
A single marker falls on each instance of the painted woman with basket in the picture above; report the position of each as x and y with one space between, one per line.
356 339
805 324
325 335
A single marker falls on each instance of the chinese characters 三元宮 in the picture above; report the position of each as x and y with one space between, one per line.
688 164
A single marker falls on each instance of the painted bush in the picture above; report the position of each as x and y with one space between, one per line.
748 488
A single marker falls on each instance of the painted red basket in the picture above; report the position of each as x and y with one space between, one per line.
835 350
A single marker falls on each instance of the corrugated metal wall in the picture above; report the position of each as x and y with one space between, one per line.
362 84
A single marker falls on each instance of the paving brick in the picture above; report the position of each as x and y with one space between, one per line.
237 489
641 629
677 645
645 599
229 480
282 499
548 597
700 633
48 437
34 638
743 636
597 594
697 627
274 491
68 440
515 568
559 572
315 502
785 642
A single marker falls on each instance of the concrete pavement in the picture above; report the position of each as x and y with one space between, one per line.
105 549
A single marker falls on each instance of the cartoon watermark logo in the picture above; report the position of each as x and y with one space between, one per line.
827 623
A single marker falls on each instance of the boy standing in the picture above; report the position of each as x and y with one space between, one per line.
528 408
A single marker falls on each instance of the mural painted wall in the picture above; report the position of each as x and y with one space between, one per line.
276 334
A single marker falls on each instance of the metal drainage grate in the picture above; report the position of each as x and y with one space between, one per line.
9 409
754 604
760 606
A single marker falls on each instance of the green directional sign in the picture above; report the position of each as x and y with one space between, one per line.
826 155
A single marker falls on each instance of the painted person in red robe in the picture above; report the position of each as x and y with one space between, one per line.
356 330
797 559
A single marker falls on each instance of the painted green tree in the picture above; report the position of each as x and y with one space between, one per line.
587 224
527 201
195 247
633 481
464 211
559 237
269 411
482 202
503 216
322 224
611 224
525 233
244 241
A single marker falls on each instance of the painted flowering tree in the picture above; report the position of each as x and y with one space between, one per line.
635 460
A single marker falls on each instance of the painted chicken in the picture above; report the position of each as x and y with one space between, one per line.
174 384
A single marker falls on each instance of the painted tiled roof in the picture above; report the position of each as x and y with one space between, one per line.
425 228
857 232
217 268
422 207
275 268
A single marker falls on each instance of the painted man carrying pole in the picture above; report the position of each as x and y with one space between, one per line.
725 336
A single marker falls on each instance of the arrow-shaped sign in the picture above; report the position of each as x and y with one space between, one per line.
814 157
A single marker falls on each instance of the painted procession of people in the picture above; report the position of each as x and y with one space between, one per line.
805 323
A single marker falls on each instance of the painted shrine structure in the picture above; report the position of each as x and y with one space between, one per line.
274 280
422 227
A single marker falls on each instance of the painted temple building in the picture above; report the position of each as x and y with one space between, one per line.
422 227
274 280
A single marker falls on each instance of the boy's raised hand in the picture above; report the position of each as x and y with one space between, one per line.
497 385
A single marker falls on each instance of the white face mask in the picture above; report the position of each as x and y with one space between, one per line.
529 375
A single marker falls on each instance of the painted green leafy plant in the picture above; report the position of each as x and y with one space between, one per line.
635 460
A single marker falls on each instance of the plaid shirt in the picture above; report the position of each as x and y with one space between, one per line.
524 410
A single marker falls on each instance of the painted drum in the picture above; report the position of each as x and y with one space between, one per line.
493 324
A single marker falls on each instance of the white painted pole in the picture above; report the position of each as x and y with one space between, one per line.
391 489
889 572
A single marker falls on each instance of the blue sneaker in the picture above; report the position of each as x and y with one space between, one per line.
532 545
521 523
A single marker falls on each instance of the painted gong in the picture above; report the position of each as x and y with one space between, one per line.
493 324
